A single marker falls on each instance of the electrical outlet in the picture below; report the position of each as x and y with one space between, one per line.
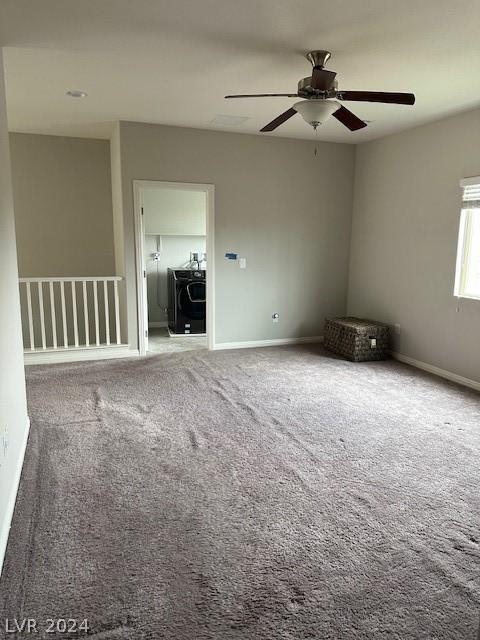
275 317
398 329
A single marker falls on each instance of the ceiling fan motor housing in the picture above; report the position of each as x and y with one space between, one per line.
305 89
321 83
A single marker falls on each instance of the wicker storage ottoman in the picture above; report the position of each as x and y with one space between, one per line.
356 339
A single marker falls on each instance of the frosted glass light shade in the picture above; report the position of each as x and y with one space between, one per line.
316 111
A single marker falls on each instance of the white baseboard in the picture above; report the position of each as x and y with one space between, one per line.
186 335
157 325
53 356
443 373
276 342
6 524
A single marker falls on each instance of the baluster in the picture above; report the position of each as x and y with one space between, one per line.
111 324
85 314
74 308
117 312
42 313
30 317
95 306
107 312
64 315
53 316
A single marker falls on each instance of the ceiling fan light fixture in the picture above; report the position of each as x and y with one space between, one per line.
316 111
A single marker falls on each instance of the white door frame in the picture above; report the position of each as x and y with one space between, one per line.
142 318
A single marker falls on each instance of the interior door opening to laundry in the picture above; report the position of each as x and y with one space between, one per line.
175 259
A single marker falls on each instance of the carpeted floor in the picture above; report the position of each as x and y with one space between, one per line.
248 495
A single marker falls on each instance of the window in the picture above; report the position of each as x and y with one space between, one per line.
467 281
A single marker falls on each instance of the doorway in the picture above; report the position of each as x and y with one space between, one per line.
174 238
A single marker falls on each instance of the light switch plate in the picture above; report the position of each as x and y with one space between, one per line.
243 263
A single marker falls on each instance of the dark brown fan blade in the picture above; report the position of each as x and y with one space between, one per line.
349 119
266 95
377 96
279 120
322 79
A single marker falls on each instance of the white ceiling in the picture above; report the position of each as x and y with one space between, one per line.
172 61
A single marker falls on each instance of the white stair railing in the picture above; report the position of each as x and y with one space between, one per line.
78 302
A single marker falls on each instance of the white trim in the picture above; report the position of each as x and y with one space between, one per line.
443 373
140 266
104 352
157 325
74 279
7 523
210 249
464 296
253 344
142 321
460 267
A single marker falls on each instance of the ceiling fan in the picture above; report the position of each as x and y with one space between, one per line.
320 98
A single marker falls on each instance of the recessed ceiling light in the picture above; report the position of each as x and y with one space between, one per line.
74 93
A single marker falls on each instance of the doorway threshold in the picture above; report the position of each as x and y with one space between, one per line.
186 335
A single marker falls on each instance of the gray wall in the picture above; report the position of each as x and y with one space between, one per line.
13 409
63 206
404 240
287 211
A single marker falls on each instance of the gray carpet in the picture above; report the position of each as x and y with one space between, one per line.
248 495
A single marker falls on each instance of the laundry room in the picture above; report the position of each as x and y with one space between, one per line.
174 246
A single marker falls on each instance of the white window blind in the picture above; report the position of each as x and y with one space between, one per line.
467 281
471 193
